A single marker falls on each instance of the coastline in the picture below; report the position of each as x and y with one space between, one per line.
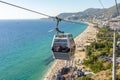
57 65
81 41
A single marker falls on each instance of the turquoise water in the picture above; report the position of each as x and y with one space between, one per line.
25 47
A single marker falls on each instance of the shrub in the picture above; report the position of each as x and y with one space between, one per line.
86 62
96 67
84 78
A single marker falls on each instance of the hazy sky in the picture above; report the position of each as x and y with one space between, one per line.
50 7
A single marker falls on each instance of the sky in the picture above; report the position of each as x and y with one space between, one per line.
49 7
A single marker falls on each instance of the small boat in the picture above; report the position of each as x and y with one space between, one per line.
51 30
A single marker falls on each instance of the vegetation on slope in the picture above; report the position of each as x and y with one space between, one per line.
98 50
90 13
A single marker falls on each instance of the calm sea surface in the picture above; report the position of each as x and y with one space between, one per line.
25 47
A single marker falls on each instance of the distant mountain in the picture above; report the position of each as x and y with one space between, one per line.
91 13
112 12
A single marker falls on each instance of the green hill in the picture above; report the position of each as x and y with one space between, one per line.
90 13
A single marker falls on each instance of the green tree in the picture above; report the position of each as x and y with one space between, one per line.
96 67
84 78
86 62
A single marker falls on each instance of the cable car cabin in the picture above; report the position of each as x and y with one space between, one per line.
63 46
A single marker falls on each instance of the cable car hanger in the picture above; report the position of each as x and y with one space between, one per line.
57 29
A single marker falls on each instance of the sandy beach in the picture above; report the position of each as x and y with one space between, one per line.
81 41
58 64
84 39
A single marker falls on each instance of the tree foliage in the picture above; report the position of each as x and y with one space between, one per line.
102 47
84 78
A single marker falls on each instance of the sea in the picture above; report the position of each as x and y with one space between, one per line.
25 47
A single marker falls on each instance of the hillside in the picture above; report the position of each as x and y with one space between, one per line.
91 13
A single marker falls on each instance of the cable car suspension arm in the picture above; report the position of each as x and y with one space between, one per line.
57 29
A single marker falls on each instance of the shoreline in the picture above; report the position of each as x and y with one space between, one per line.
80 41
57 65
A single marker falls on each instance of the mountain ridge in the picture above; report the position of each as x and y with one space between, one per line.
91 13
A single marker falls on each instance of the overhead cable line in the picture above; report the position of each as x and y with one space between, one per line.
25 9
35 11
117 7
101 3
103 8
